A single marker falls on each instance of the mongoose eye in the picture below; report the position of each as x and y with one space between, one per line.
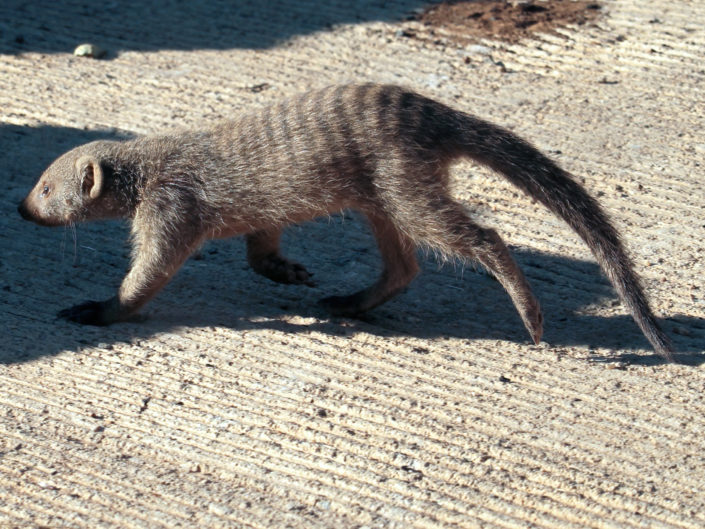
45 191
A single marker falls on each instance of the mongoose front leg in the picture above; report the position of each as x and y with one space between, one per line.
400 267
156 260
265 259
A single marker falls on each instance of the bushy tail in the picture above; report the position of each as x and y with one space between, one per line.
541 178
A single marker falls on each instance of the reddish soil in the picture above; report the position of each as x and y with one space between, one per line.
510 21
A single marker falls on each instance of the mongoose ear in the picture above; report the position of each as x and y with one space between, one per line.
90 175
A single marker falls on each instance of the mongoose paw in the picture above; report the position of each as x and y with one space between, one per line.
301 276
87 313
282 270
345 306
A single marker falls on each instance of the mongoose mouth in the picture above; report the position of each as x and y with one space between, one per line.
27 214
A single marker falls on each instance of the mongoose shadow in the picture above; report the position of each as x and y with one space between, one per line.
454 299
216 287
52 27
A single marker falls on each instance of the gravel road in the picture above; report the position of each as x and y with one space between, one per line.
238 403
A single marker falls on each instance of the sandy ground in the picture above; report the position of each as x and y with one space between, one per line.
239 403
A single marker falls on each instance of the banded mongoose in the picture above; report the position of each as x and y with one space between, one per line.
382 150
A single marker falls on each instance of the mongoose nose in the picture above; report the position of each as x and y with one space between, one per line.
22 209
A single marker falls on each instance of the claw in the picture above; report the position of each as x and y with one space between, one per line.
341 306
87 313
281 270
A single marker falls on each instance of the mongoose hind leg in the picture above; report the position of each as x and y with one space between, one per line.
458 234
400 267
265 259
493 253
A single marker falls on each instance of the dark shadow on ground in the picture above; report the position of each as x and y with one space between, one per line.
217 288
51 26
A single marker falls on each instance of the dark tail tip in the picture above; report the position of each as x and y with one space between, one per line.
665 349
658 339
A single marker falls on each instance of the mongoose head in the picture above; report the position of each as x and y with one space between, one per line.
71 189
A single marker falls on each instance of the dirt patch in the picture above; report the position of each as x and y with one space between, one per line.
508 21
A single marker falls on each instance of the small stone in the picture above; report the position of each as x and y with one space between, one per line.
477 49
683 331
408 33
219 509
622 366
89 50
190 466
